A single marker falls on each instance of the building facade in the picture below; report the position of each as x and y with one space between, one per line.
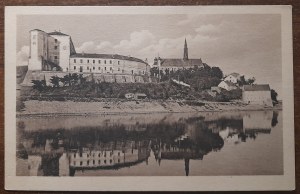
257 94
233 78
55 51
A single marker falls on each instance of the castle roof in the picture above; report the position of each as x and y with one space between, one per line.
57 33
262 87
107 56
181 62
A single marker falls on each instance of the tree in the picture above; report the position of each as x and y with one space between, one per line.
54 80
274 96
216 72
39 85
251 80
242 81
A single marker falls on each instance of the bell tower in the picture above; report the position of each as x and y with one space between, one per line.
185 51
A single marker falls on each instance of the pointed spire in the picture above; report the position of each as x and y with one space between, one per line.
185 51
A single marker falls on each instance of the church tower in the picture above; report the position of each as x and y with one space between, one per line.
185 52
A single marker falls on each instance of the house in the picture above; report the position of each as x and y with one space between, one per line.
215 89
138 96
233 78
129 95
257 94
227 85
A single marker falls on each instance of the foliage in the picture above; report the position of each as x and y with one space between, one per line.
274 96
39 85
54 80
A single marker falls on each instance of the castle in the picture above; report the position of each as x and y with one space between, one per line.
54 54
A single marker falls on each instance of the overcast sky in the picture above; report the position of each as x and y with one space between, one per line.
249 44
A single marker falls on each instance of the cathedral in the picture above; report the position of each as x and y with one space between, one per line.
176 64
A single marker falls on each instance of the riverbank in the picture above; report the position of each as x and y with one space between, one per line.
41 108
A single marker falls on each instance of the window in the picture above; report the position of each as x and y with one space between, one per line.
110 161
104 61
118 153
80 163
118 69
75 155
88 67
105 68
55 40
88 61
93 68
118 62
98 68
74 60
104 161
99 155
81 60
99 61
131 71
74 163
99 162
93 61
110 61
55 47
93 161
74 67
118 160
55 57
110 68
88 162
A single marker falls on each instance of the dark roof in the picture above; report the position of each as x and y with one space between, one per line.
107 56
57 33
234 74
262 87
36 29
181 62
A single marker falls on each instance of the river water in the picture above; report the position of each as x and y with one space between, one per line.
177 144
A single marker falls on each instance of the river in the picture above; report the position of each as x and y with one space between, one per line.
174 144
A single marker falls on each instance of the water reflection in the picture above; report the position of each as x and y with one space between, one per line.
112 145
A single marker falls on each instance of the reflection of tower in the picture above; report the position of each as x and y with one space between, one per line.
187 166
185 51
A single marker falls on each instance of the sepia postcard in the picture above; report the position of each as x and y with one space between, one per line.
173 98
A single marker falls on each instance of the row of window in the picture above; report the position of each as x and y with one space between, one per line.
94 61
93 155
94 162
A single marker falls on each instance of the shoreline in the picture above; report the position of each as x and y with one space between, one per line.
71 108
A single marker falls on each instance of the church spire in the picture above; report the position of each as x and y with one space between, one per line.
185 52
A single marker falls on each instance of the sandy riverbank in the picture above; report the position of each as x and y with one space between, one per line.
34 107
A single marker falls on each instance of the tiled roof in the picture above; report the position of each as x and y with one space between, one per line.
107 56
262 87
180 62
57 33
235 74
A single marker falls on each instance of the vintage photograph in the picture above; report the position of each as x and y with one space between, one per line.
172 94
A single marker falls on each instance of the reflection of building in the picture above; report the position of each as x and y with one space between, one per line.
260 122
257 94
227 85
34 165
176 64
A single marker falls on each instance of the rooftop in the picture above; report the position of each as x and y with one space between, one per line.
180 62
57 33
234 74
262 87
107 56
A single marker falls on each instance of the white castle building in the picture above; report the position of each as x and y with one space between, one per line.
55 52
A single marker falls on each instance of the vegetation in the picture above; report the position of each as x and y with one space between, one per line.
274 96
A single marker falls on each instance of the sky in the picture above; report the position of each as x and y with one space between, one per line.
249 44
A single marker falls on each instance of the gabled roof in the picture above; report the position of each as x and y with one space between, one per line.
228 83
234 75
181 62
107 56
57 33
262 87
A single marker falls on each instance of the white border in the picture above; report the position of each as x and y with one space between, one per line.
157 183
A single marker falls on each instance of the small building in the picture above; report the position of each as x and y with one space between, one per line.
227 85
129 95
233 78
138 96
215 89
257 94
